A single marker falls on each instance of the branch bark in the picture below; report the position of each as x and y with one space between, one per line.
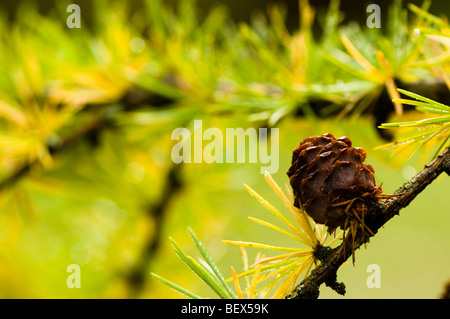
378 215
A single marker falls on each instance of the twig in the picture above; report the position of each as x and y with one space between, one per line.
138 274
377 216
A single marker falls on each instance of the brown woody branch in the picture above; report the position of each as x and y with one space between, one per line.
378 215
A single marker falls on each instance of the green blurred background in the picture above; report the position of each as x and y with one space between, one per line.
109 198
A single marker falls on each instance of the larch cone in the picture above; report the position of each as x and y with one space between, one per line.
331 182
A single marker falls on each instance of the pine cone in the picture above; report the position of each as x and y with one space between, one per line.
330 180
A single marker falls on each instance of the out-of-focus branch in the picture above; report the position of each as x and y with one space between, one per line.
376 217
133 99
88 129
138 274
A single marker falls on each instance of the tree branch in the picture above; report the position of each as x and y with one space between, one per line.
134 98
156 212
93 126
378 215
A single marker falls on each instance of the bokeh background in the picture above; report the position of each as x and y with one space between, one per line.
86 120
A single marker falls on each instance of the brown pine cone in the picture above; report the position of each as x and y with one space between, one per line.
330 180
